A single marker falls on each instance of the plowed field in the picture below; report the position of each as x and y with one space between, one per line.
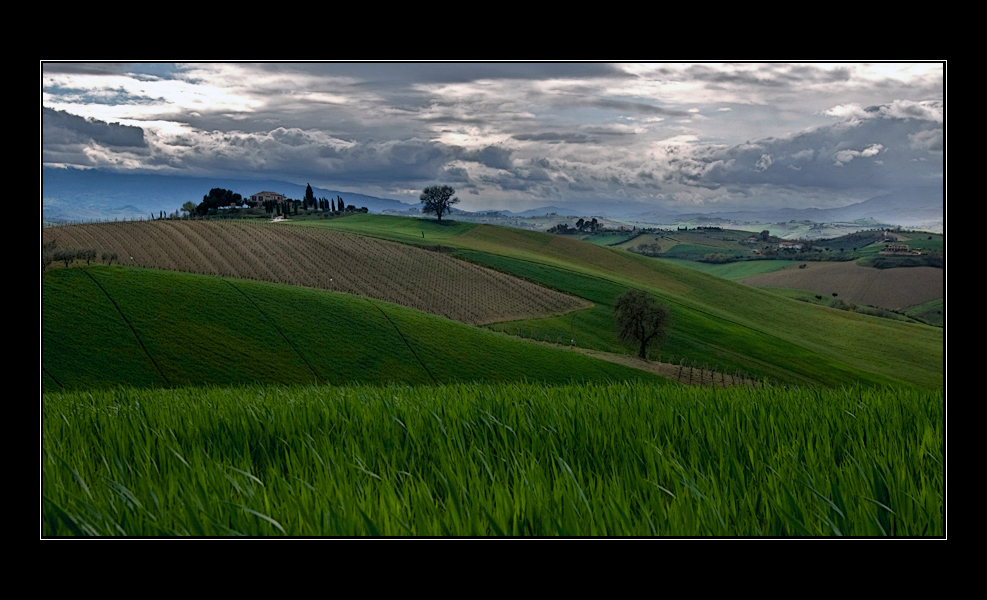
430 281
893 289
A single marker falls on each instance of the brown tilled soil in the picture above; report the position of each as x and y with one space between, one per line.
425 279
892 289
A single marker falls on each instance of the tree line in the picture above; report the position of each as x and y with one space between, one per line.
218 198
51 253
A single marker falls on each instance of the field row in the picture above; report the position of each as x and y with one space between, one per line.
425 280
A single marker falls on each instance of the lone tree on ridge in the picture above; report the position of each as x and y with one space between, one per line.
641 321
438 200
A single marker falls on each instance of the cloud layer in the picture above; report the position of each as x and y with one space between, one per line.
514 135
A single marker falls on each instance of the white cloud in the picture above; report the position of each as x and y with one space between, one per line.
843 157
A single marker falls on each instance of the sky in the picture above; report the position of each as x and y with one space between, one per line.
515 135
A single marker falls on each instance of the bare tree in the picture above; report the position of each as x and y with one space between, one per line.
641 321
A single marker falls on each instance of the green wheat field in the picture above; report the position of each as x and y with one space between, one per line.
507 459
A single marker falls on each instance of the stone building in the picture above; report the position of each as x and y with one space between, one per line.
260 198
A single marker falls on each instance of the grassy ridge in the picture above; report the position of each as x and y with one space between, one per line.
116 325
505 459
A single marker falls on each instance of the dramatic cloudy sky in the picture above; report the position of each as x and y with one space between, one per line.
514 135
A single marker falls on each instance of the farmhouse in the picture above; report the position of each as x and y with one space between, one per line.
893 248
790 246
260 198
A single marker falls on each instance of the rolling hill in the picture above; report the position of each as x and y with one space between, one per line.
178 403
106 326
718 323
412 276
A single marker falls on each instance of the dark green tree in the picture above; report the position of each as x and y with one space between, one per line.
309 196
438 200
641 321
216 198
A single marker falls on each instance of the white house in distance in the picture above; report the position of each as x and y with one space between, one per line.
260 198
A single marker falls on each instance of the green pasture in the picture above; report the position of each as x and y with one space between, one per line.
933 313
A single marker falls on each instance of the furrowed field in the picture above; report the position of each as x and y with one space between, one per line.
338 261
626 459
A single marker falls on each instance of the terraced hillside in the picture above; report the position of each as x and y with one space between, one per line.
431 281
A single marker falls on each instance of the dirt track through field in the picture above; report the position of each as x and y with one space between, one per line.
893 289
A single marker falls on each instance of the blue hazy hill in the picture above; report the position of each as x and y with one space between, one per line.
80 195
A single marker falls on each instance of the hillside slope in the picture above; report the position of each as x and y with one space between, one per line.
430 281
717 322
108 326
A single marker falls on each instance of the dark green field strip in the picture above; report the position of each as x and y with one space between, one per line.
137 337
455 353
287 341
206 330
201 329
84 339
403 338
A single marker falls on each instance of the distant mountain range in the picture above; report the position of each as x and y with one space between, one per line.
917 207
81 195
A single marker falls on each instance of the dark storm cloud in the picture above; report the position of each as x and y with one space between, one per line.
898 146
403 73
63 129
767 75
634 107
492 156
75 68
553 137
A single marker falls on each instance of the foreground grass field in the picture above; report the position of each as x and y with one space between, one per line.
628 459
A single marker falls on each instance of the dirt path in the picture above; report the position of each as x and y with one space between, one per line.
681 373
